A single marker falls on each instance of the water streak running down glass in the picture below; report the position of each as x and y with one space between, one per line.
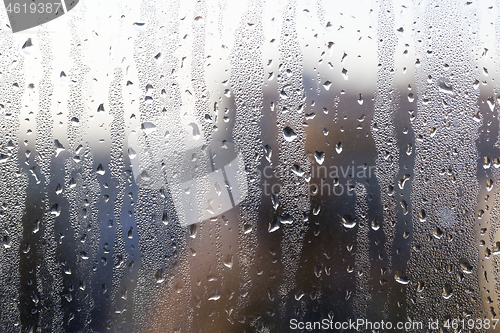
255 166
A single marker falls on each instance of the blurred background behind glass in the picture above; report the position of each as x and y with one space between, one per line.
224 166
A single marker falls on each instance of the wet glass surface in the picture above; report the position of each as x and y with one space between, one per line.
217 166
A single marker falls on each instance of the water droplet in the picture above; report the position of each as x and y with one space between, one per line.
401 182
496 248
289 134
274 225
215 296
159 276
145 176
400 277
274 200
59 147
445 86
247 228
27 46
409 149
360 99
319 156
486 162
338 148
447 291
286 219
344 74
148 127
6 242
195 131
404 205
100 170
421 215
437 233
299 295
131 153
296 169
491 103
420 286
140 27
36 227
55 210
465 266
193 229
164 218
228 261
348 221
268 152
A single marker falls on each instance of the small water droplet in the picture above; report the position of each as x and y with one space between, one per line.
338 148
422 215
100 170
131 153
299 295
360 99
228 261
344 74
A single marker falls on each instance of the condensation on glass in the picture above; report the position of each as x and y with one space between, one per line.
255 166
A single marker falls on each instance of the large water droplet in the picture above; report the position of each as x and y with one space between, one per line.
400 277
196 131
319 156
348 221
289 134
148 127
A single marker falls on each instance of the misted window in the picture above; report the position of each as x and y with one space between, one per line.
250 166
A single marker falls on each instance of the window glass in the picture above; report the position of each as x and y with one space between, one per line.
251 166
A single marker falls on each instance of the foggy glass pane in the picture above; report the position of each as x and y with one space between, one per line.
251 166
